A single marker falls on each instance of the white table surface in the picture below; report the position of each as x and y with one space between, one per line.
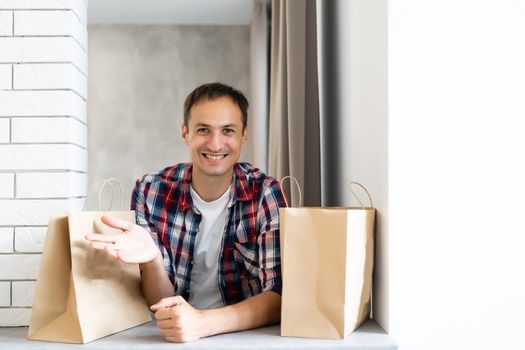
147 336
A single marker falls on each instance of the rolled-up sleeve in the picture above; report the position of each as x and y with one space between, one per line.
142 217
138 203
268 238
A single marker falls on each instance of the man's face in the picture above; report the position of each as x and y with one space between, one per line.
215 136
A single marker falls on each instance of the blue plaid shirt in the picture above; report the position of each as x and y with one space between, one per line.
249 262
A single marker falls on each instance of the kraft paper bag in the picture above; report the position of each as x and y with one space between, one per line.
326 261
82 294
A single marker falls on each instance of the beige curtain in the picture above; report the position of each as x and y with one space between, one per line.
294 108
259 69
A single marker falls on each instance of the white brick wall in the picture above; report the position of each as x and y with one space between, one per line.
6 80
5 294
77 6
7 185
6 240
6 23
30 239
18 212
23 293
4 131
51 185
45 130
42 156
43 50
42 23
19 266
15 317
49 76
42 103
43 147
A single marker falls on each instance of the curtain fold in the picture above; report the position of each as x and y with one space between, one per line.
294 108
259 87
334 143
328 108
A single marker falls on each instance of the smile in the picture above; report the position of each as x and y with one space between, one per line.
214 156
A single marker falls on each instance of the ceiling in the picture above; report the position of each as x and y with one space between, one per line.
203 12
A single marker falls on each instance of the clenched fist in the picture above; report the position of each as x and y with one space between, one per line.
179 321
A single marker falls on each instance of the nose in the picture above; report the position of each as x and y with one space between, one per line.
215 142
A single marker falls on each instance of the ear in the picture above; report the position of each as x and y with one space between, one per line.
184 133
245 136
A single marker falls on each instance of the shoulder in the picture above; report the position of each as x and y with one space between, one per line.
261 184
170 175
256 176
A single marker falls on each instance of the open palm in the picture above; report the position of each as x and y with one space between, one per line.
133 245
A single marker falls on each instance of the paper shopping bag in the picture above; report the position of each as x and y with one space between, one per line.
82 294
326 262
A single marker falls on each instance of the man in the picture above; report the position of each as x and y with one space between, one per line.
210 262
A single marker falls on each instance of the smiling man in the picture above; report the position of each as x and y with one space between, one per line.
207 238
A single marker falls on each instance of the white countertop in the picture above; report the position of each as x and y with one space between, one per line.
147 336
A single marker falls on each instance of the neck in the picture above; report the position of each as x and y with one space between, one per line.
211 188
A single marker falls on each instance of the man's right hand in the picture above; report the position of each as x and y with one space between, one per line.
134 245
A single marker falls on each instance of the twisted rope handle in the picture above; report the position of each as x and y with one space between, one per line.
112 182
356 197
298 189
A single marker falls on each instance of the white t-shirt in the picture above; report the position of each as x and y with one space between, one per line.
204 285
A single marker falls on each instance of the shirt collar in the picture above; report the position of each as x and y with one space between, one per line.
240 191
242 186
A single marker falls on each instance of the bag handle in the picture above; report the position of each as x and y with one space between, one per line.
351 191
298 189
356 197
112 182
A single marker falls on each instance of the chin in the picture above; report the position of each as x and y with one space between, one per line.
214 175
214 171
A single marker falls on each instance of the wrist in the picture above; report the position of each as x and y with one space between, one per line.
207 323
215 320
155 263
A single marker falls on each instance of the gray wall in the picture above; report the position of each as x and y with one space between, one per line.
138 79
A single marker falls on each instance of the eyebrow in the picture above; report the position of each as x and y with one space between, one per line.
209 126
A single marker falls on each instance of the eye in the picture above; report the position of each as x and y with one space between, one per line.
229 131
202 131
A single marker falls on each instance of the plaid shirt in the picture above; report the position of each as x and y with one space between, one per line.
249 262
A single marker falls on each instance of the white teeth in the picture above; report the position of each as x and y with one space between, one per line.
209 156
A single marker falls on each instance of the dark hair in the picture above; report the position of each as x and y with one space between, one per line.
213 91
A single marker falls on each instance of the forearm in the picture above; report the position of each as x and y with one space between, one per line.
260 310
155 282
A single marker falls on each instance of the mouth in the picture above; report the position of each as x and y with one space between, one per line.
214 156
